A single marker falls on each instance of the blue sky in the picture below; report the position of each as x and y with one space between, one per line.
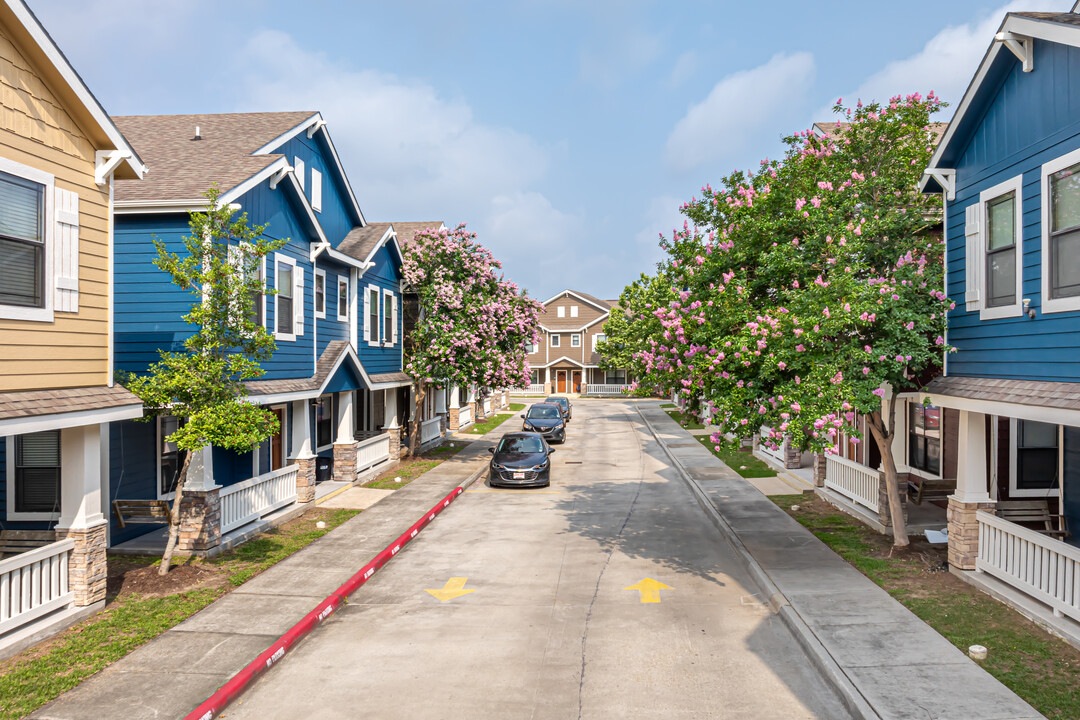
565 133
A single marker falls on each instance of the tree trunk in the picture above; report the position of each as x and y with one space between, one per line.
174 517
415 441
892 484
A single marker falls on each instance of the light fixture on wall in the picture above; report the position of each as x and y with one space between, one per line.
1028 310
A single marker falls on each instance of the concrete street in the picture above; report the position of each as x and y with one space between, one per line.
562 618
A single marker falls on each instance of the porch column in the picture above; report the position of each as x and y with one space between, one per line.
390 422
455 409
971 494
345 443
200 506
547 380
300 452
473 404
81 518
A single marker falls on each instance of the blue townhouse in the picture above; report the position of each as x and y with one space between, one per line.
1008 166
334 382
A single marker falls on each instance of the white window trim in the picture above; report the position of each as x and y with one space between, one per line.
374 333
1012 185
9 446
255 469
41 314
388 300
596 339
333 423
554 339
319 314
280 259
1014 438
908 467
316 190
573 337
337 301
1052 305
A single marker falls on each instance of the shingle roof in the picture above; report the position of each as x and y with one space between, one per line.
1018 392
362 240
1065 18
592 298
182 168
830 129
36 403
326 363
406 231
394 377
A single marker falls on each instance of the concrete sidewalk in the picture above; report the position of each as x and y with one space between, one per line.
887 662
172 674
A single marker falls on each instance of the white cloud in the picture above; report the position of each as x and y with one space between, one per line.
527 232
945 64
661 217
748 108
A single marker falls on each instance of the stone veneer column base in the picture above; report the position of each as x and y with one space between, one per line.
305 479
792 457
200 520
883 498
455 419
964 532
87 566
395 442
345 462
820 468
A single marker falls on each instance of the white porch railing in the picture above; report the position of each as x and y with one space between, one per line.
34 583
852 480
487 405
1045 568
430 430
533 389
779 452
250 500
373 451
464 415
604 389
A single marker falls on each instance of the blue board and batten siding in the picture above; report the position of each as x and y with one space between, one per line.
1032 119
337 215
385 275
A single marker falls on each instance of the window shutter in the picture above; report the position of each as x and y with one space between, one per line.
298 301
393 305
367 316
973 258
66 251
298 170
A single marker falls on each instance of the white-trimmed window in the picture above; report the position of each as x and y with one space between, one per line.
257 301
320 293
1035 455
299 171
924 438
343 299
555 338
28 232
316 190
598 338
615 377
573 310
561 311
995 248
169 456
389 334
33 471
575 340
371 315
284 300
1061 233
324 422
531 347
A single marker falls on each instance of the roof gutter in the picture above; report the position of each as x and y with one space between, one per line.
325 248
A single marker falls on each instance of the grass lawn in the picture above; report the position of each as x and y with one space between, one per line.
411 468
687 420
668 405
485 426
742 462
517 407
140 606
1035 665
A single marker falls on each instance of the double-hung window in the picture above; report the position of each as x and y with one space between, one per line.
575 340
371 324
37 472
597 339
1061 233
1035 470
1001 251
22 242
343 299
389 318
924 438
555 340
995 256
283 300
320 293
615 377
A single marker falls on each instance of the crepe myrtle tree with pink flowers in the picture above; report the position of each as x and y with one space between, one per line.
473 324
811 291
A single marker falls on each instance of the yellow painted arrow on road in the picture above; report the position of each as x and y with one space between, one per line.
649 589
454 588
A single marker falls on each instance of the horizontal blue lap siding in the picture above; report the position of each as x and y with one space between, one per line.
337 216
385 274
1032 119
133 472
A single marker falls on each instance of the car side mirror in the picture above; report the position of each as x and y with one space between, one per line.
522 414
491 450
551 450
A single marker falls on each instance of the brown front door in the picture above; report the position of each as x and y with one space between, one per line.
277 442
560 381
575 384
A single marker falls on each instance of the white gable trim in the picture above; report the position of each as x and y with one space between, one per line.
564 293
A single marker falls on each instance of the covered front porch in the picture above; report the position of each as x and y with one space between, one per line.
1014 514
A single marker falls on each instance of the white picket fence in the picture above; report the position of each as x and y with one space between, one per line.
533 389
488 405
430 430
1045 568
373 451
34 583
852 480
464 416
777 453
599 389
252 499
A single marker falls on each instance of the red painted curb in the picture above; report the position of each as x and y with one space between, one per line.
240 682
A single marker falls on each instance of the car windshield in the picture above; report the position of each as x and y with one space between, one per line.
557 401
544 412
521 444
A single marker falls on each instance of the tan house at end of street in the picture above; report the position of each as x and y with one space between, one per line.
565 360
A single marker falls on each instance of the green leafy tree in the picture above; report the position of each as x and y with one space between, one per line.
632 324
810 293
204 384
472 324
